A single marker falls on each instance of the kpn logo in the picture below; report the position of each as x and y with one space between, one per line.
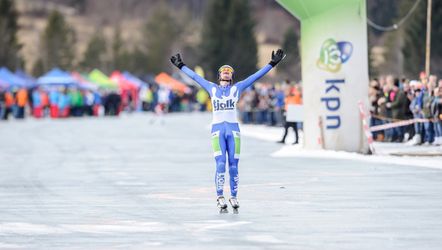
333 54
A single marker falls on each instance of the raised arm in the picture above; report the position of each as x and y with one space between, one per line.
276 58
253 78
178 62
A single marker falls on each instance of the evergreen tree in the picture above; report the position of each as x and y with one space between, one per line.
38 69
160 32
58 43
436 38
413 35
291 66
381 12
405 48
241 38
392 62
214 46
9 45
95 54
228 38
117 49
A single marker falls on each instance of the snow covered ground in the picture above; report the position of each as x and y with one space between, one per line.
136 182
385 152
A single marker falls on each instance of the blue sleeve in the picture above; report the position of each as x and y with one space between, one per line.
201 81
253 78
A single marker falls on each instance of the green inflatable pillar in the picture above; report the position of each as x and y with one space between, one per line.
334 71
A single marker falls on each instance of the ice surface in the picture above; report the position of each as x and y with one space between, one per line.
136 183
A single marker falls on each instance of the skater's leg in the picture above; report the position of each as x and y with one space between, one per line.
295 129
233 149
219 150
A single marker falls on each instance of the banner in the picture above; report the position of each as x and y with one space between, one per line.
295 113
334 70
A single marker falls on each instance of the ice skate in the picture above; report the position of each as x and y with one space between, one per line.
234 203
222 205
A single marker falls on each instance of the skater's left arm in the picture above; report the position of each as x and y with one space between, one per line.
276 58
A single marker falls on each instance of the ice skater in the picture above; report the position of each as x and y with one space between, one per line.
225 129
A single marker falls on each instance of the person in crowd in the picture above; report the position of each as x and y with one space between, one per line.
88 101
2 102
114 103
382 110
9 104
409 129
164 95
64 104
97 103
279 103
175 100
426 113
389 95
432 80
272 116
436 112
398 108
263 106
246 106
44 102
21 102
293 97
37 106
54 95
374 93
146 98
77 102
202 97
416 109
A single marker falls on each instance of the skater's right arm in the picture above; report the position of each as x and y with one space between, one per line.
178 62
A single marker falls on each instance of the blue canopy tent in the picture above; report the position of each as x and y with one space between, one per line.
11 79
57 77
3 84
29 80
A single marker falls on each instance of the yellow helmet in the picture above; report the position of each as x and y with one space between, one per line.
225 68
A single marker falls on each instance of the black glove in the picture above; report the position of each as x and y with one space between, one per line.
277 57
177 61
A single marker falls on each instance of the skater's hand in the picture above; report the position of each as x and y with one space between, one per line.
277 57
177 61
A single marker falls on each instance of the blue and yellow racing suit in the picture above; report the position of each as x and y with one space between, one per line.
225 129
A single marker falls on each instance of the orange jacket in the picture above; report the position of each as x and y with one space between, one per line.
22 98
9 99
294 97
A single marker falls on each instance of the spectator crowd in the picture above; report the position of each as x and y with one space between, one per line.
394 100
60 102
262 104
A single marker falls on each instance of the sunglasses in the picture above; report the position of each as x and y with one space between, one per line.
226 69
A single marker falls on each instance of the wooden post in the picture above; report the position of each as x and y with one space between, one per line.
428 42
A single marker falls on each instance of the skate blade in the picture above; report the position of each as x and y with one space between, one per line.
223 211
235 211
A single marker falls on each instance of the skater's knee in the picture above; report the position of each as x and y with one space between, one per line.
233 170
233 163
221 167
